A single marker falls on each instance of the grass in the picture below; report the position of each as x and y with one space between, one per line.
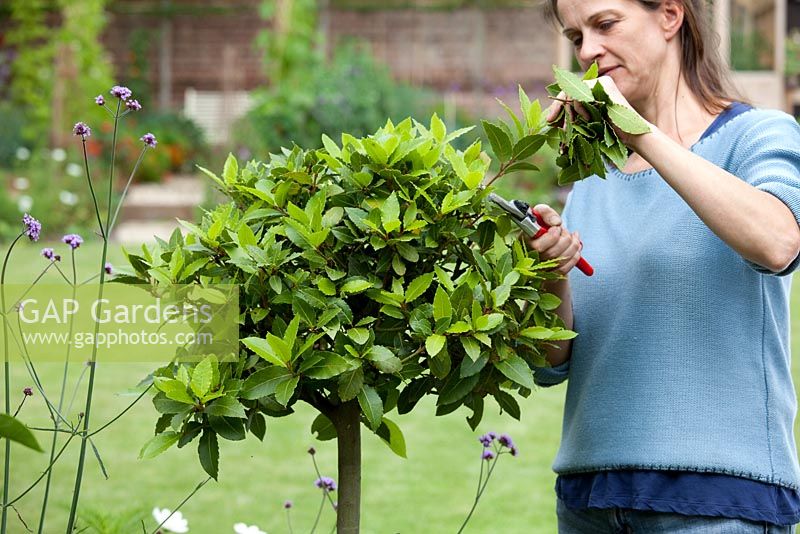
431 491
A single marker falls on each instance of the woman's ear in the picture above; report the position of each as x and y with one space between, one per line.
672 13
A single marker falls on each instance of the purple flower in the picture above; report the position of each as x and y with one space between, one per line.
120 92
99 100
73 240
108 267
506 441
288 504
50 254
312 451
325 484
27 392
487 439
82 129
133 105
487 455
149 139
32 227
513 450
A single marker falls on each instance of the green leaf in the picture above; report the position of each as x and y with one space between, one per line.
331 146
517 370
372 406
173 389
264 349
488 322
326 365
435 343
263 382
350 384
230 170
230 428
418 286
355 286
384 359
258 426
456 388
549 302
471 347
158 444
469 367
13 429
285 390
527 146
508 404
208 451
573 86
202 376
290 336
514 118
326 286
627 119
358 335
441 305
390 213
501 143
592 72
396 441
324 428
226 407
438 128
585 150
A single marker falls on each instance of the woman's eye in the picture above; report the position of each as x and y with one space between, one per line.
606 25
577 41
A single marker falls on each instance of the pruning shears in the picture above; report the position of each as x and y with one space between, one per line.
531 223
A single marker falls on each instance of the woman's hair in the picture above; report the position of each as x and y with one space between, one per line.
705 72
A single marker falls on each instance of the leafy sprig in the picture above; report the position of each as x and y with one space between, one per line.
583 143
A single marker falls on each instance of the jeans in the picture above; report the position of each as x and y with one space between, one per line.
624 521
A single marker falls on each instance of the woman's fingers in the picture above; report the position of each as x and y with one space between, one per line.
549 215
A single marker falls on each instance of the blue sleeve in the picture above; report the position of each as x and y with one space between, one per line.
770 161
551 376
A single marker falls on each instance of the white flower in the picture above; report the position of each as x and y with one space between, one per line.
20 182
73 169
23 153
241 528
176 523
58 154
68 198
24 203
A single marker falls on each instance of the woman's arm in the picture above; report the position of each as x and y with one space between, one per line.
560 353
754 223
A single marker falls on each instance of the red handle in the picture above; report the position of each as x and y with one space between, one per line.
582 264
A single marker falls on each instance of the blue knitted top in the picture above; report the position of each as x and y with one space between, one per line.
682 362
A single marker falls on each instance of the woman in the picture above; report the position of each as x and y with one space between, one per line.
680 404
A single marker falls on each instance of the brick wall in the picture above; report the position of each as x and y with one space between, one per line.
477 54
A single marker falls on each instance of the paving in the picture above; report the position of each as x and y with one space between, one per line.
151 209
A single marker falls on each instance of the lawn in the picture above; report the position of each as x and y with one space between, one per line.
431 491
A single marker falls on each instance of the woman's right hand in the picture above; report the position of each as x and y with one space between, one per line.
558 242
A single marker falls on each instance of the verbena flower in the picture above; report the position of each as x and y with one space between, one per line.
513 450
241 528
325 484
123 93
176 522
99 100
27 392
149 139
487 455
73 240
312 451
506 441
108 267
288 504
487 439
32 227
50 254
82 129
133 105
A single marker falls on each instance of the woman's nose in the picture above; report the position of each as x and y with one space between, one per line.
591 49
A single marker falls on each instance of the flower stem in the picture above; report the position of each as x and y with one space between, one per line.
319 512
200 485
92 367
125 191
7 383
89 179
54 441
481 487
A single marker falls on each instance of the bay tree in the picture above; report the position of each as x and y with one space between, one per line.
371 272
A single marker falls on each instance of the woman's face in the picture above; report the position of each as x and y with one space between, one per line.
627 41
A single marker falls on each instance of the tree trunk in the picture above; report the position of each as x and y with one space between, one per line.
347 420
